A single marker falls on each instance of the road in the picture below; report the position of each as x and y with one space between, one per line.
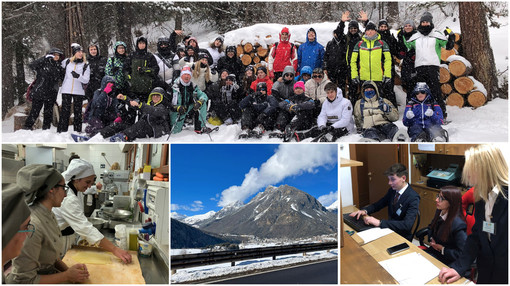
317 273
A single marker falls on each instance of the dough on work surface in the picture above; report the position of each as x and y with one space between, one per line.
93 258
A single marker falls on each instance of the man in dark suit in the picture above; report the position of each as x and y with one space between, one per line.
402 202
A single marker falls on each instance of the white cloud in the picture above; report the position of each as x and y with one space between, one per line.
288 160
194 207
327 200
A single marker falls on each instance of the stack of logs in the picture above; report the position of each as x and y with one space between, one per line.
254 54
456 85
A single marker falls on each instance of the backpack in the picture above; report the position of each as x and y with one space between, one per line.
276 46
85 66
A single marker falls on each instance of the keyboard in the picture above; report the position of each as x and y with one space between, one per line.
357 225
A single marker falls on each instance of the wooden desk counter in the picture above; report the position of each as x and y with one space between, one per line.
377 248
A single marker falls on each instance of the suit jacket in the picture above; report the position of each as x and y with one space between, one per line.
491 256
454 243
408 203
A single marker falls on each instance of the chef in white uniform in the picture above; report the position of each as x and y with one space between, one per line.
70 216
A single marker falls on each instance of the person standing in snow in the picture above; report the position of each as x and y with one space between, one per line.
427 44
77 74
142 69
179 54
202 75
49 73
424 117
311 53
335 58
231 63
192 41
374 59
115 67
388 38
216 49
374 115
164 58
407 57
281 55
97 65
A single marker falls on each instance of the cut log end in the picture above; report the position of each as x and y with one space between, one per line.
446 88
458 68
246 59
444 75
463 85
445 54
455 99
248 48
476 99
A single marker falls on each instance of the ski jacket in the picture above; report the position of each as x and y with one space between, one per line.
186 96
215 55
232 65
73 85
310 53
267 80
419 109
368 112
302 101
284 90
335 55
97 65
166 67
142 68
201 81
389 39
315 90
115 68
103 106
407 56
374 60
338 113
266 104
48 75
157 115
427 48
219 93
282 54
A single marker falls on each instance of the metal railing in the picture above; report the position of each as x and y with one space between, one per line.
201 259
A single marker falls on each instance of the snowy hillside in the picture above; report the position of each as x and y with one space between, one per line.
192 220
488 123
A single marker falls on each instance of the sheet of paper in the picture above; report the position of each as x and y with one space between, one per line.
373 233
411 268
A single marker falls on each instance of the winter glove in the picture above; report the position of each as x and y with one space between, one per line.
197 105
117 120
284 104
75 74
429 112
355 81
386 80
142 70
409 114
108 87
294 108
181 109
385 107
447 31
261 118
323 128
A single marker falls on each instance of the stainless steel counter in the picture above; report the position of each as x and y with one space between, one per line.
154 269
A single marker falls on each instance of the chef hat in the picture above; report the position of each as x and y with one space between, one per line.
36 180
14 212
78 169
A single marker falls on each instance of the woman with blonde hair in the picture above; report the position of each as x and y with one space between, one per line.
77 75
202 75
487 171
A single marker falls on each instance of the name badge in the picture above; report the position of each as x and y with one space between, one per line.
399 211
489 227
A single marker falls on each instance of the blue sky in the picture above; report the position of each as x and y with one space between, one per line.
206 177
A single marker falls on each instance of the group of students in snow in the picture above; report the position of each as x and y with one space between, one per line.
301 92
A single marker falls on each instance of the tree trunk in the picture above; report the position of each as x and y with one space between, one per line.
392 13
477 48
21 84
8 91
124 25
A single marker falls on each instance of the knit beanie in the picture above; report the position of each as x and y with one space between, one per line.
409 22
36 180
14 212
300 85
75 48
426 17
383 22
370 26
262 68
353 24
185 70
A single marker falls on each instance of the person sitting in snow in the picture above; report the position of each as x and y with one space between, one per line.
305 74
297 106
374 115
258 111
335 119
188 101
102 111
153 122
262 77
225 96
423 116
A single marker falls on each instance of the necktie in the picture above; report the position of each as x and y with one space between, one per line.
395 200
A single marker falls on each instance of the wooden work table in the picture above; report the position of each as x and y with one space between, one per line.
377 251
115 272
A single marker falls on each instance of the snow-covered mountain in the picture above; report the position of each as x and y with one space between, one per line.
333 207
193 220
278 212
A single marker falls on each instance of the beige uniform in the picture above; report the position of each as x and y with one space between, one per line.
41 251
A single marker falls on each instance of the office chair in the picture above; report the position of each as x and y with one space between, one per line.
417 222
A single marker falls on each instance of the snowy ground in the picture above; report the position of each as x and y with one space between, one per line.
488 123
218 270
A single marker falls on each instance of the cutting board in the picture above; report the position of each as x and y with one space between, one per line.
114 273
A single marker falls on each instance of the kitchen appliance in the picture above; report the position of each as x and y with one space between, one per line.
157 206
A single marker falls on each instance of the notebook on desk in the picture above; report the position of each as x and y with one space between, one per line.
357 225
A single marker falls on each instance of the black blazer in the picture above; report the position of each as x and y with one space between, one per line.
455 241
491 256
408 203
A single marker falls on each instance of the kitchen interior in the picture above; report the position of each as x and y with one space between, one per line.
131 209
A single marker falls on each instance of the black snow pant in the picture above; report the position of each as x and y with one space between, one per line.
226 110
430 75
250 118
39 101
381 132
387 91
315 132
408 78
339 77
65 114
304 120
141 129
429 135
113 129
